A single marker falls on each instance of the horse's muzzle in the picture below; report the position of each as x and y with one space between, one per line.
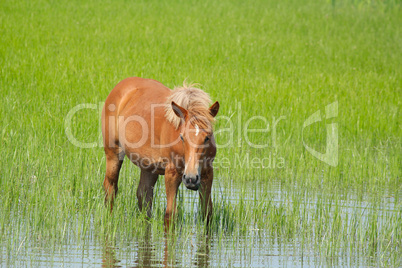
192 182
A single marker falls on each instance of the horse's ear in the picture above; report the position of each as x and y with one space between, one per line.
179 111
214 109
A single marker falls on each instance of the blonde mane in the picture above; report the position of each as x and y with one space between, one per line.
195 101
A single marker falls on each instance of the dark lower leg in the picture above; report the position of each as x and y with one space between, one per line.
145 191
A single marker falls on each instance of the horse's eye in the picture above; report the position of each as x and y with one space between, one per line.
206 139
181 137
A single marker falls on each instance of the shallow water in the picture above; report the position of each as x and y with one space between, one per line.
253 246
257 249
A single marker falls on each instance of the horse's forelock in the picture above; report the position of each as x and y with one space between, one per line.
195 101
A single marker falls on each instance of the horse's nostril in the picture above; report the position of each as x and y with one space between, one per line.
191 179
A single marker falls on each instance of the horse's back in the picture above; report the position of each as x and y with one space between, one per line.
132 107
129 87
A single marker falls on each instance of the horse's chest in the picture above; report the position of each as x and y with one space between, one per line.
150 163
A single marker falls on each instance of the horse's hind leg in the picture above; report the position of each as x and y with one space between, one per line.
114 160
145 191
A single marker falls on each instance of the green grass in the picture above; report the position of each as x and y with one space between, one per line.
266 58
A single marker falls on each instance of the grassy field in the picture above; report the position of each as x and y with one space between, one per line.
279 60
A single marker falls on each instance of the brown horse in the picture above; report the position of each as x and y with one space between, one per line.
163 132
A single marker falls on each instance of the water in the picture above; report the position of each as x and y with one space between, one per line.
257 249
249 244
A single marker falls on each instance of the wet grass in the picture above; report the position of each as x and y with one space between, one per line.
280 61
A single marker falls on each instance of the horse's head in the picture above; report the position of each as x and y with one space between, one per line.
198 142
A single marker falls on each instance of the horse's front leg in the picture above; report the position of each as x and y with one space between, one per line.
172 182
207 178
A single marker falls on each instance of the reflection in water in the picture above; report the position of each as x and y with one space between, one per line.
202 255
146 256
150 255
168 254
109 255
